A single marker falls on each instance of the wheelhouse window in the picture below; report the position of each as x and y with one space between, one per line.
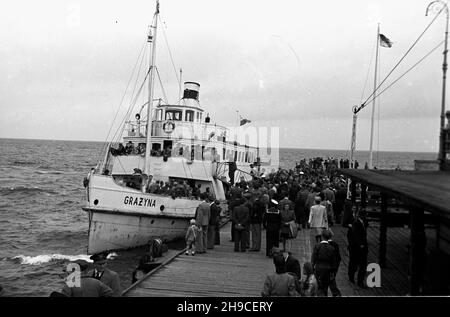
189 116
159 115
174 115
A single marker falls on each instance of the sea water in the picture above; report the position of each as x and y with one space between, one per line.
42 225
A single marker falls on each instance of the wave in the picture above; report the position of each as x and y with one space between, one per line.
23 163
50 172
45 258
25 190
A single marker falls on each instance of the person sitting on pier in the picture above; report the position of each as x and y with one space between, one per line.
105 275
89 286
281 283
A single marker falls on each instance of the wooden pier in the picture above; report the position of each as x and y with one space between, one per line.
427 195
221 272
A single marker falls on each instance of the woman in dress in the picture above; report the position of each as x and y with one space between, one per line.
287 215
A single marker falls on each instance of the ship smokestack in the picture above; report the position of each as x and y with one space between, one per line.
191 90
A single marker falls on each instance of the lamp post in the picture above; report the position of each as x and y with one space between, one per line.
441 156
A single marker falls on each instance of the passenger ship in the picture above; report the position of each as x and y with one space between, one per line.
179 143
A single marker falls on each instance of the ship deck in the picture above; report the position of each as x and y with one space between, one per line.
224 273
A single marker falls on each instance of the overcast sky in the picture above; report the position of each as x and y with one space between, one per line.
298 65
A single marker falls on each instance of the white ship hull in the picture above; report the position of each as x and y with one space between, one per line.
114 230
123 218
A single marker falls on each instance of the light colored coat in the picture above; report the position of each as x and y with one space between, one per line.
191 234
318 217
203 214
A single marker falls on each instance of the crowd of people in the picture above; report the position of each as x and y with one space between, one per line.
312 197
130 149
178 188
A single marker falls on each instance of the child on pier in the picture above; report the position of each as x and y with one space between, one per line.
191 236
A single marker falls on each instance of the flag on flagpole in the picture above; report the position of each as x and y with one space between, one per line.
244 121
384 41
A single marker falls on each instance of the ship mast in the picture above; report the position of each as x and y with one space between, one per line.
151 81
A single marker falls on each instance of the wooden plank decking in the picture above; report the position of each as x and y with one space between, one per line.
224 273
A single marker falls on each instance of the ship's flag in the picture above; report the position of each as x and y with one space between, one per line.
384 41
244 121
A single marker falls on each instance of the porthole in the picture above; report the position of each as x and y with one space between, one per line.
96 202
153 220
162 208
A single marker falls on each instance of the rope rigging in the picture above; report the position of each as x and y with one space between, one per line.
132 102
106 143
406 72
357 109
170 52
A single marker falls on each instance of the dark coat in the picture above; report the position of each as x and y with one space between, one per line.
293 266
272 219
90 287
214 215
324 257
257 212
338 254
358 236
111 279
241 215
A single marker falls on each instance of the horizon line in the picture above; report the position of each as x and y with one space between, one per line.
287 147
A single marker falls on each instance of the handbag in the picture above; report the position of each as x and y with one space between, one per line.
293 228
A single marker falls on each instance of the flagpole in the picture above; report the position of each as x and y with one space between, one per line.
373 102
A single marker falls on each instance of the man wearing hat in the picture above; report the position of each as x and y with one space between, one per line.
324 261
256 215
101 273
272 224
213 223
241 219
202 216
89 286
358 248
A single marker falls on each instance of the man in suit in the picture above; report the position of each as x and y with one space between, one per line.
300 209
324 261
358 248
202 216
259 207
240 217
333 286
88 287
105 275
213 223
